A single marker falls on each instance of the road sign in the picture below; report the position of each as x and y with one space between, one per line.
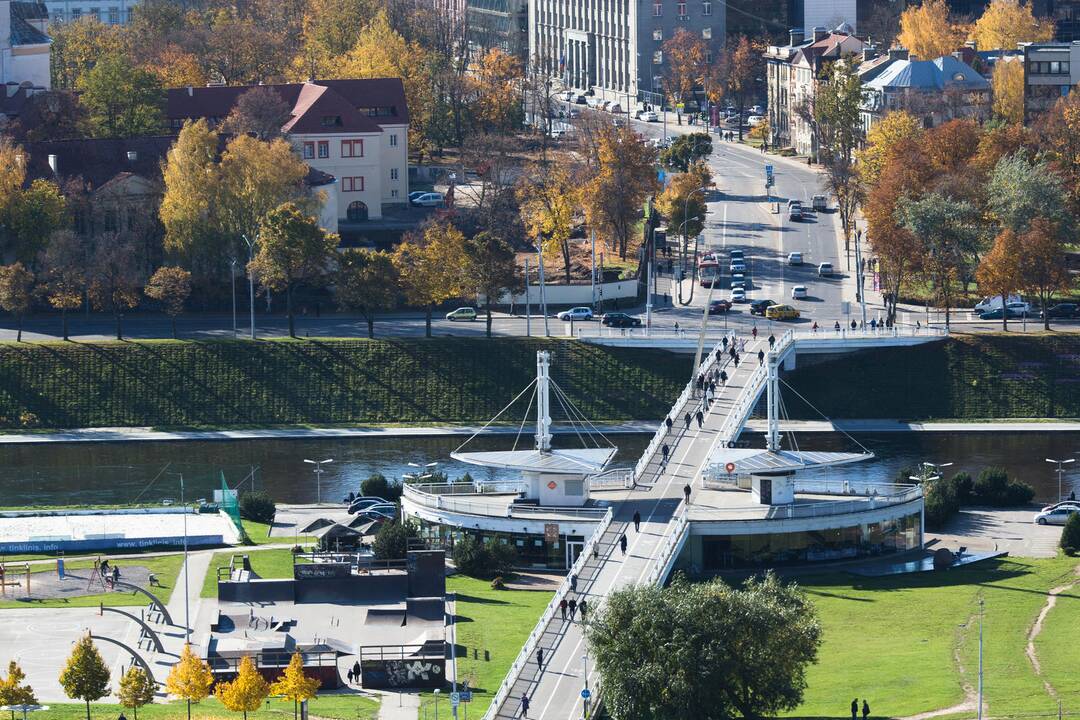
585 694
768 170
466 695
455 698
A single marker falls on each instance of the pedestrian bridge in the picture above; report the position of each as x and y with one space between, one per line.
555 688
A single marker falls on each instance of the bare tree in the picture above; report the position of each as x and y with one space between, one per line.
260 112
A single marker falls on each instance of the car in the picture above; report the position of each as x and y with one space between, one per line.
431 199
360 504
650 116
738 280
794 258
574 113
755 120
782 312
737 295
1063 503
719 306
1061 311
1012 310
462 313
576 313
794 201
798 292
820 203
581 100
737 266
736 255
993 302
1057 516
758 307
620 320
825 270
794 213
415 194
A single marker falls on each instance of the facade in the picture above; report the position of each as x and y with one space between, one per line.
502 24
615 49
356 131
24 46
933 90
1051 70
110 12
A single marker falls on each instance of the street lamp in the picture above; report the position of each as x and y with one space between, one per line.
187 595
437 691
232 286
318 476
1060 471
251 280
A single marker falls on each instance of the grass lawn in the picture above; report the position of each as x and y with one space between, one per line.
275 563
337 707
166 567
896 640
497 621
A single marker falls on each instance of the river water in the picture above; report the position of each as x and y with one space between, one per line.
105 473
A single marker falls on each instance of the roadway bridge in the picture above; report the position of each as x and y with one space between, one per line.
554 689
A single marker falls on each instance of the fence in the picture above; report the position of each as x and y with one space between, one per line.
672 542
621 477
428 496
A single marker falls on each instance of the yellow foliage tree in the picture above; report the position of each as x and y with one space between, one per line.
926 32
85 676
683 203
190 678
136 689
548 205
188 208
495 85
176 67
294 684
894 129
1005 23
1008 85
12 689
625 176
245 693
684 58
432 267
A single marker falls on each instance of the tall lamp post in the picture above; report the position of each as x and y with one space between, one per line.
586 695
251 280
187 595
232 286
318 476
1060 471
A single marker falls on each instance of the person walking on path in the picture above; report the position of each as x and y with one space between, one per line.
855 709
753 332
772 339
356 670
525 706
700 417
836 326
723 343
686 419
664 450
622 543
723 377
667 421
573 608
540 658
583 607
736 360
637 521
742 346
573 582
761 357
865 709
562 608
686 492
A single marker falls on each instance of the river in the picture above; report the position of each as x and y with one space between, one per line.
147 472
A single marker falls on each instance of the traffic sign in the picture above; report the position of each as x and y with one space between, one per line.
455 698
466 695
585 694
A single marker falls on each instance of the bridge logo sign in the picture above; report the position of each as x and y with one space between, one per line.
730 467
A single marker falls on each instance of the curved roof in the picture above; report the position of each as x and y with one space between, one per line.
759 461
929 75
572 462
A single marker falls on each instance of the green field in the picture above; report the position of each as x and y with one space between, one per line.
293 382
166 567
335 707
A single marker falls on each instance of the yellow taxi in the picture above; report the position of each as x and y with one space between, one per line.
781 312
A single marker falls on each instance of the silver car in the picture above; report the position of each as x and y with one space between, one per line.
1057 516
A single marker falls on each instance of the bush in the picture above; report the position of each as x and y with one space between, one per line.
993 487
257 507
1070 535
376 485
963 486
502 557
484 560
940 502
498 584
392 540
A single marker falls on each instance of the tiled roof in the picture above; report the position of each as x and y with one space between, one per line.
22 30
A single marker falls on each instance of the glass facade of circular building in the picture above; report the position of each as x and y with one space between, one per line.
533 551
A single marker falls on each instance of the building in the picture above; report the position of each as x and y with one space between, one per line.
934 91
792 73
24 46
502 24
110 12
615 50
1051 70
356 131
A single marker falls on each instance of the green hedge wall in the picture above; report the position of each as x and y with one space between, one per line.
310 381
964 377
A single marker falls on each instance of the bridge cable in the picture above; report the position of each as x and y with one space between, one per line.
524 417
584 419
826 417
507 407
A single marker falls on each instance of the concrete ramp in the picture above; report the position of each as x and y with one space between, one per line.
424 609
377 617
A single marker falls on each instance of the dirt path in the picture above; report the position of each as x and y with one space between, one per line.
971 695
1036 628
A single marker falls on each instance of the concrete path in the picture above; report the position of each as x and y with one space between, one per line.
983 529
878 426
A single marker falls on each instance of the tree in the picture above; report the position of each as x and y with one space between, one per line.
294 684
27 215
16 294
136 689
189 210
190 678
1043 267
479 559
64 262
491 269
881 141
741 63
1004 23
367 280
246 691
85 675
114 277
176 67
1070 535
123 100
838 118
170 286
1008 90
1021 189
257 506
392 540
259 111
625 176
376 485
683 203
431 266
51 115
999 273
684 59
950 145
926 32
548 203
77 46
496 87
686 150
704 650
12 689
1059 142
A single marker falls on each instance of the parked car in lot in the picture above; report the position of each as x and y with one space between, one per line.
1063 503
719 306
1062 311
782 312
820 203
825 270
1012 310
431 199
620 320
463 313
794 258
993 302
650 116
757 110
416 194
576 313
758 307
1057 516
738 295
798 292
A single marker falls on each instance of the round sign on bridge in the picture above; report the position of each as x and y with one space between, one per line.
552 485
730 467
585 693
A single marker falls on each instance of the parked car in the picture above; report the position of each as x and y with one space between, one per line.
737 295
1012 310
650 116
782 312
758 307
620 320
364 503
754 120
994 301
416 194
462 313
719 306
576 313
1063 503
798 292
431 199
825 270
1063 311
820 203
794 258
757 110
1057 516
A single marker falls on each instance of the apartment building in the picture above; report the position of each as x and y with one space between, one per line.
110 12
1051 71
24 46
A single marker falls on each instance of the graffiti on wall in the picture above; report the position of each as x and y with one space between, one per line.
418 673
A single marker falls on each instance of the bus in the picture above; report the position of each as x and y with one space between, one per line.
708 271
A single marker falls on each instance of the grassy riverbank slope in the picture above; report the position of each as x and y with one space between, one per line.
971 377
290 382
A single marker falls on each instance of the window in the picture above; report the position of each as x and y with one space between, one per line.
658 57
393 139
393 174
706 33
309 150
352 184
95 13
352 148
393 193
331 120
324 148
114 16
657 9
658 35
76 13
682 10
706 8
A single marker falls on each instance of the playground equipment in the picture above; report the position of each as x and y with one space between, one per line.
11 570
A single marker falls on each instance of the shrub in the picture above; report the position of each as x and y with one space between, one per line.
257 507
376 485
392 540
1070 535
963 486
478 559
940 502
498 584
502 557
993 487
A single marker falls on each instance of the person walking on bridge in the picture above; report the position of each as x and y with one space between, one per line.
573 582
524 706
761 357
637 521
686 419
540 658
562 608
753 332
573 608
865 709
723 377
622 543
686 492
700 417
668 422
664 450
583 607
772 339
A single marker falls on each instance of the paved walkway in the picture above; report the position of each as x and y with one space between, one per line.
877 426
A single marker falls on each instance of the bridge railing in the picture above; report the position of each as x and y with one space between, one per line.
669 547
866 488
529 648
620 477
472 503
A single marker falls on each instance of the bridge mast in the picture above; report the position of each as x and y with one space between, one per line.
543 408
772 439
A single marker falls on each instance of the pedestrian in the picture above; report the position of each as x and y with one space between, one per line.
742 345
772 340
115 575
719 354
686 419
562 608
873 323
686 492
637 521
865 709
622 543
356 669
855 709
583 607
524 706
753 331
918 325
853 325
836 326
723 343
667 421
761 357
664 450
350 676
540 657
1072 496
573 608
596 551
723 377
573 582
735 359
676 326
700 418
813 328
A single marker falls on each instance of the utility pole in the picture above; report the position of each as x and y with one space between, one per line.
232 292
251 281
528 329
592 234
543 294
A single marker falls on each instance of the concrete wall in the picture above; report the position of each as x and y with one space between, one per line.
257 591
575 294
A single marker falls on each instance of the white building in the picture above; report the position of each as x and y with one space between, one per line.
24 46
110 12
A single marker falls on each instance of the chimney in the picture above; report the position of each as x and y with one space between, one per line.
132 156
190 91
869 52
898 53
820 33
54 164
796 36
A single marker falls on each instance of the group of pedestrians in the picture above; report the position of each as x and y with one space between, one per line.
571 605
855 709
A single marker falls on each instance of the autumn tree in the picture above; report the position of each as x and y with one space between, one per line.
367 280
123 100
78 45
1059 142
838 118
31 216
741 63
1008 90
176 67
136 689
1005 23
950 145
926 32
293 250
686 150
188 207
625 176
114 277
683 202
294 684
330 29
431 265
496 86
999 273
881 141
490 269
1044 269
246 692
85 675
16 294
64 273
50 115
170 286
684 62
548 201
13 690
259 111
190 678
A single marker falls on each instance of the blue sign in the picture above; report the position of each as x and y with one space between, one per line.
586 694
466 695
768 169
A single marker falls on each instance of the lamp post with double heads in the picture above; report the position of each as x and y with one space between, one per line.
1060 471
187 595
232 287
251 280
686 241
318 476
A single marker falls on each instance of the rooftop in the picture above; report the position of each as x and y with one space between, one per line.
573 461
939 74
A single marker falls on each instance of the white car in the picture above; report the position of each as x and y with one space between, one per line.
994 302
431 199
1063 503
1057 516
825 269
798 292
794 258
737 266
754 120
738 281
738 295
576 313
649 116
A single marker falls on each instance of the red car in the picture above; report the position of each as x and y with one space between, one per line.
719 306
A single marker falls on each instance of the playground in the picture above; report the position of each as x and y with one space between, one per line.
78 584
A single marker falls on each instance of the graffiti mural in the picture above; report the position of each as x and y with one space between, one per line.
418 673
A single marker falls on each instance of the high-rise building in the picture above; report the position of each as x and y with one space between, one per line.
502 24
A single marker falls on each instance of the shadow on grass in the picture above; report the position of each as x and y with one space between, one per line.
482 601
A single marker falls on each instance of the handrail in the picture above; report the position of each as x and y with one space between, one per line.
823 508
668 547
620 477
454 503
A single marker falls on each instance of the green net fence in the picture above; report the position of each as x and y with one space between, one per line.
230 505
